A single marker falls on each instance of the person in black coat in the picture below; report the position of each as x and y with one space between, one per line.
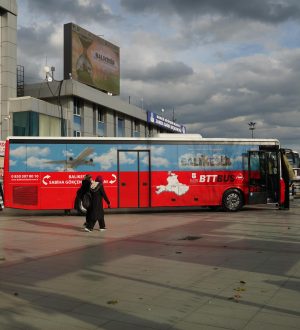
85 188
97 211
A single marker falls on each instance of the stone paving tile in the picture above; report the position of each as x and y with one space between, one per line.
211 319
286 301
19 292
126 324
38 320
184 325
260 325
275 317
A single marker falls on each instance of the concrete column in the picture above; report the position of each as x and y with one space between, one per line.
143 130
128 127
110 123
8 62
88 120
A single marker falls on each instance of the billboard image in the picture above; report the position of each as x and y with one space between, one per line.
91 59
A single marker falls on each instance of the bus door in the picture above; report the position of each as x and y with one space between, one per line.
134 178
264 176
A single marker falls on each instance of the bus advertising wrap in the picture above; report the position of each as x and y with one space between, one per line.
143 172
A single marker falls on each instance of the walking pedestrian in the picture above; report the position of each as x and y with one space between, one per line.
98 194
85 189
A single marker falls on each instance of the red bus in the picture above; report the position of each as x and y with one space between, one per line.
171 170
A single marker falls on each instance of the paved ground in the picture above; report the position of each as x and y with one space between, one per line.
181 270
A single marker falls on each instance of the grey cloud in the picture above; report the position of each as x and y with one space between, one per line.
217 100
34 49
139 6
163 71
270 11
33 42
263 89
239 128
71 9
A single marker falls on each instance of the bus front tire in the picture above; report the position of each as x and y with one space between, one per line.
232 200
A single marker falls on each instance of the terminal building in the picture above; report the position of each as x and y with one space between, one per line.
85 103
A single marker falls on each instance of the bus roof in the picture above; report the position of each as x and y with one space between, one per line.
162 137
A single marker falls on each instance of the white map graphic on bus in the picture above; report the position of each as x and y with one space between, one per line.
173 185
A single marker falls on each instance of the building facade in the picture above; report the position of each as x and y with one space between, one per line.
70 108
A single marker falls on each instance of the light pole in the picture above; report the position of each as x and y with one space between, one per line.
50 78
173 114
251 127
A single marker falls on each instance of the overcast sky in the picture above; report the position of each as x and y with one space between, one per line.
219 64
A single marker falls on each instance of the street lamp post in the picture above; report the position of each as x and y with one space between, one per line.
252 127
50 78
173 114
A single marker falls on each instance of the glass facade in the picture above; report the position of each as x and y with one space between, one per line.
77 111
77 106
49 126
120 127
30 123
101 129
77 123
26 123
99 117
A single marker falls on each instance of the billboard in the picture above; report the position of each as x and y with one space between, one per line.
91 60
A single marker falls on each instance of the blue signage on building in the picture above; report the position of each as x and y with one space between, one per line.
158 120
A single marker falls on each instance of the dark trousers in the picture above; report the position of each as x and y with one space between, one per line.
88 221
100 220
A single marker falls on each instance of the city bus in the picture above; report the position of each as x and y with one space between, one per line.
167 171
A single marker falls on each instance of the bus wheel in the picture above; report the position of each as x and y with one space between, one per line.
79 208
232 200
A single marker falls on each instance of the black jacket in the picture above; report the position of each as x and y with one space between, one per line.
85 187
98 194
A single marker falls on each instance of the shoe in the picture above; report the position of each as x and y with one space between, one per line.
86 229
102 229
